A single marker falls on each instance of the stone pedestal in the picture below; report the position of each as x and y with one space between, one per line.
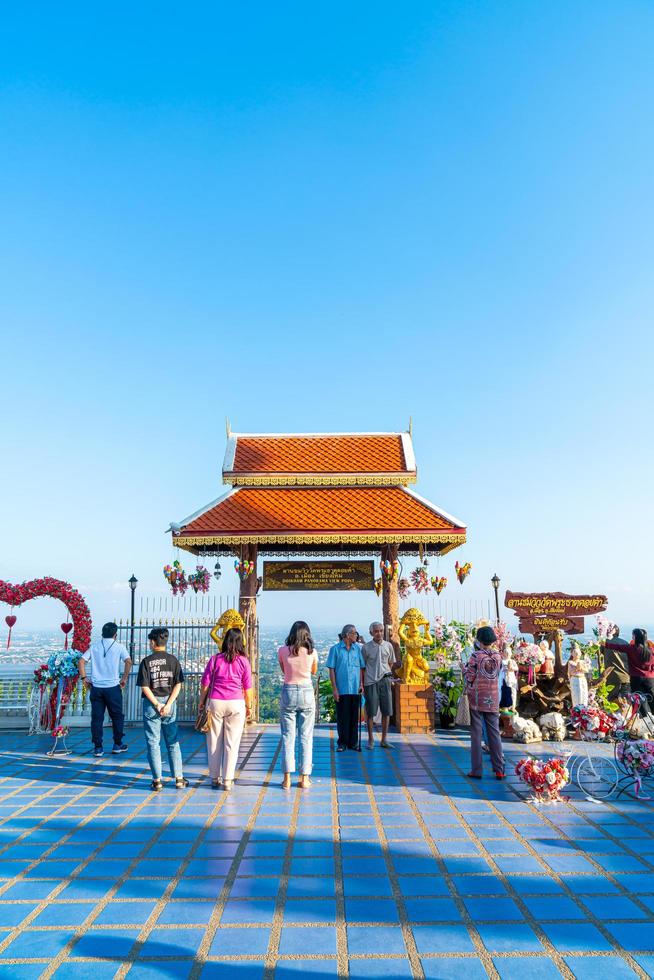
413 708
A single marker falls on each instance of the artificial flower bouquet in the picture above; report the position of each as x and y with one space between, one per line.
420 580
447 691
529 658
176 578
63 664
546 777
200 579
592 722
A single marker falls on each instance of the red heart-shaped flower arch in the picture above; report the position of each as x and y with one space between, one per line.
15 595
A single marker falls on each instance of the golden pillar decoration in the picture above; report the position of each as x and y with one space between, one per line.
247 606
415 669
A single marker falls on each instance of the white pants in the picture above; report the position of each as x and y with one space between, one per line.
224 736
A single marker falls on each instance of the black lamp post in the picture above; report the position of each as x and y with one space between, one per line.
495 582
133 582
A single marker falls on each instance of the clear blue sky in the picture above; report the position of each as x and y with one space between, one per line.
329 217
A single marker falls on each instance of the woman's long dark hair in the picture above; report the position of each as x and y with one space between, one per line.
233 645
640 640
299 636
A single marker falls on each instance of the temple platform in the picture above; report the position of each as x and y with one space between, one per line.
393 865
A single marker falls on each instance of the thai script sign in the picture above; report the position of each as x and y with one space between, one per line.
313 576
549 624
530 604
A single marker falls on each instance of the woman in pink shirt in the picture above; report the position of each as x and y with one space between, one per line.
298 661
227 682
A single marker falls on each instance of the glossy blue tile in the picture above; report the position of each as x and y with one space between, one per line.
12 914
575 937
294 940
397 969
114 943
234 942
528 968
31 944
286 970
254 910
169 970
220 969
451 968
493 908
585 968
633 936
508 937
172 942
443 939
432 909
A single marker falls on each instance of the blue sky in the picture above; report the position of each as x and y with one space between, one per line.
329 217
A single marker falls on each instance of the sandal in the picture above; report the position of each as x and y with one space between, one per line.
215 783
156 785
181 783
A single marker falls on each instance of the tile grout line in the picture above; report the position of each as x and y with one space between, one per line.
216 916
342 964
160 904
405 924
280 900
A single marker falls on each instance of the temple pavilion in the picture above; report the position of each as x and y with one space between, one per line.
339 494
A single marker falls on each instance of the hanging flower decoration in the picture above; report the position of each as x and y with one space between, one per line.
462 571
504 635
11 622
16 595
65 629
390 569
200 579
546 777
403 588
243 568
176 578
420 580
438 583
592 722
378 586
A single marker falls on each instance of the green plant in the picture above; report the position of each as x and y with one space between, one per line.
327 700
601 694
447 691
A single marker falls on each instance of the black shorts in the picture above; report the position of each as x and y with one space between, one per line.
379 696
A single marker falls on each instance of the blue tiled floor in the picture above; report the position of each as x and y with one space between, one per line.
392 866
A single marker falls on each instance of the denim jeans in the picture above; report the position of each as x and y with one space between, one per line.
154 725
298 712
111 699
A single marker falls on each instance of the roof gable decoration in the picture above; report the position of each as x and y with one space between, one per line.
319 459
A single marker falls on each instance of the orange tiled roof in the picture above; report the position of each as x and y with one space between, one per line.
263 513
330 455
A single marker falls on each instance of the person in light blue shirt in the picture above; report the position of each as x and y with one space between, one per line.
346 666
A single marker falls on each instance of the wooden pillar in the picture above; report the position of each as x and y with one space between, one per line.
391 599
247 606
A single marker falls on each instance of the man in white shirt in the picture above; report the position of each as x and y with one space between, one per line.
380 660
106 657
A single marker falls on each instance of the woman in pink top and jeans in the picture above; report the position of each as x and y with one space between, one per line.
227 682
298 661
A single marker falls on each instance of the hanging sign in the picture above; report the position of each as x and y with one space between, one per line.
529 604
314 576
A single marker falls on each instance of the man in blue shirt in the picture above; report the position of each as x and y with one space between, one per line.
346 665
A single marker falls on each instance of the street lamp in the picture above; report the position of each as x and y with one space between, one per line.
495 582
133 582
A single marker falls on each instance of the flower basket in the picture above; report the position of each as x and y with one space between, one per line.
546 777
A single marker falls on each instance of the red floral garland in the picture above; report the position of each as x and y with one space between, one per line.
546 777
16 595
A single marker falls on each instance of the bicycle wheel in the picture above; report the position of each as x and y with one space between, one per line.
597 777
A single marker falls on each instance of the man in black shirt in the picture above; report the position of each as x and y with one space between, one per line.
160 678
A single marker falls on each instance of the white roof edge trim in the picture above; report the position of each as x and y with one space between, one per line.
203 510
230 452
434 508
409 455
308 435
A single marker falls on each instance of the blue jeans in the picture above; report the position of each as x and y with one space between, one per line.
154 725
298 712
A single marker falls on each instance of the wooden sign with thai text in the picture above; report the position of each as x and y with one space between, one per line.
554 604
549 624
314 576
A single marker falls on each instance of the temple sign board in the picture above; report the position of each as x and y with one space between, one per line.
548 612
314 576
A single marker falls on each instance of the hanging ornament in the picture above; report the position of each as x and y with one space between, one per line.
176 578
11 622
462 571
217 571
66 628
378 586
390 569
403 588
419 580
243 568
438 583
200 579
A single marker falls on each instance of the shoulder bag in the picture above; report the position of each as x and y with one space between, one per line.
203 721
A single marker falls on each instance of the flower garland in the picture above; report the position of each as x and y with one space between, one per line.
176 578
420 580
200 579
546 777
16 595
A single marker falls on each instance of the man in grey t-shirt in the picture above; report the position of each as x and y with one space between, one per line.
380 659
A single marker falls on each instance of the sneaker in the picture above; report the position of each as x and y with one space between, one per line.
98 753
117 749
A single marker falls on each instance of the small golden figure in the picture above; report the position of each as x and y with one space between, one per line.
415 669
230 619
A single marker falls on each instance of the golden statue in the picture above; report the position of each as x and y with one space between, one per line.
230 619
415 669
